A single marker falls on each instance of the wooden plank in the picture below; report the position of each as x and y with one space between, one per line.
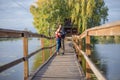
11 64
105 26
41 49
8 33
83 34
39 35
5 33
110 29
61 67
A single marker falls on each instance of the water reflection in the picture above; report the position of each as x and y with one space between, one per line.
12 50
36 61
106 57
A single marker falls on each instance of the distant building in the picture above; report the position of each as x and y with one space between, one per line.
68 27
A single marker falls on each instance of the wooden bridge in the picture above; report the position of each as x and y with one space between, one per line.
61 67
74 65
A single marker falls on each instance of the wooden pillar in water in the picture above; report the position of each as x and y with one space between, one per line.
55 46
50 48
43 54
88 52
25 49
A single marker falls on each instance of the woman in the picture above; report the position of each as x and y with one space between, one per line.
58 38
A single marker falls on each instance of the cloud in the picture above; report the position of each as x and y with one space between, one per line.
15 14
114 10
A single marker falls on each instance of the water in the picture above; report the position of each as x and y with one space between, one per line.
105 55
13 49
108 59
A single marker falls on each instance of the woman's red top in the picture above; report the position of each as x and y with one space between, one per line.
57 35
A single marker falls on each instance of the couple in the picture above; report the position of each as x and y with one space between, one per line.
60 35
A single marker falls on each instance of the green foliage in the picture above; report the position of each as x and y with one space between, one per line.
108 39
83 14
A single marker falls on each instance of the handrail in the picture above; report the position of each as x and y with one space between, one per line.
111 29
7 33
97 72
15 62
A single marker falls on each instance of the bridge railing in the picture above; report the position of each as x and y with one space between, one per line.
112 29
6 33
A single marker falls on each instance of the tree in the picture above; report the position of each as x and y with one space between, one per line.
83 13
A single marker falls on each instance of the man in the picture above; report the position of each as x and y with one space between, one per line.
62 39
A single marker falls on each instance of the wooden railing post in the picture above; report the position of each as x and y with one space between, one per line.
82 59
25 49
76 41
43 54
88 52
80 46
51 48
54 47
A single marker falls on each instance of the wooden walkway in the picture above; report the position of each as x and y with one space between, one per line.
61 67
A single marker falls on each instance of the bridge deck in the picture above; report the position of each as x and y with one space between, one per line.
61 67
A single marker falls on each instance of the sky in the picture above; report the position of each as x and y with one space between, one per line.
15 14
114 10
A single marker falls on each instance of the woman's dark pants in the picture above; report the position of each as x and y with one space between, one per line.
58 41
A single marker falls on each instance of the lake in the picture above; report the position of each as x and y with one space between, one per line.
13 49
106 56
